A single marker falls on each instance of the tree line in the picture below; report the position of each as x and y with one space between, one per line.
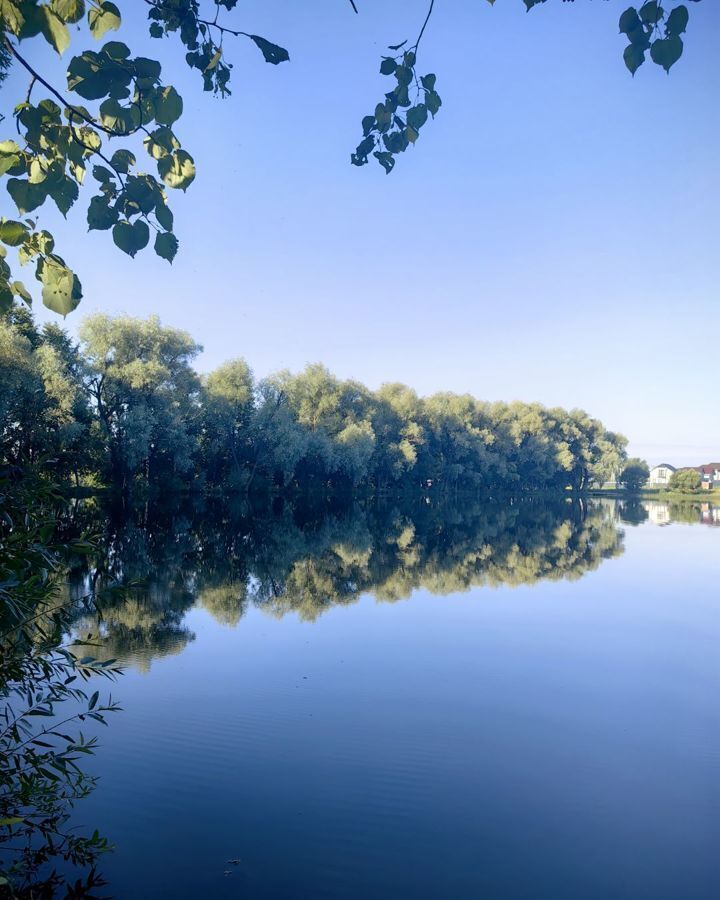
124 407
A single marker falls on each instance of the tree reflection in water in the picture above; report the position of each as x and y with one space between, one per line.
307 557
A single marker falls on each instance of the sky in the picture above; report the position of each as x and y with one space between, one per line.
552 237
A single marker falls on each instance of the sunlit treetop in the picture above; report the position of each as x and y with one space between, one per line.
116 109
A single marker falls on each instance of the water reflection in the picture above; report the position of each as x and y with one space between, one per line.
306 558
636 511
374 752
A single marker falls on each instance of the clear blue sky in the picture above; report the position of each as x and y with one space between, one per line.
553 236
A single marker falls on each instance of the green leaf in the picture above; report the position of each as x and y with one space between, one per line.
383 116
168 106
119 51
629 21
11 16
651 12
404 75
166 245
131 238
64 192
164 215
27 196
121 160
61 288
666 51
13 233
368 123
54 29
19 289
417 116
12 820
272 53
121 119
388 66
103 175
386 160
10 155
433 102
103 19
634 57
161 142
92 76
69 10
143 192
177 169
101 215
677 21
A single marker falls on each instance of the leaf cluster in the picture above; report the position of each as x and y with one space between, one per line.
61 141
397 120
203 39
652 28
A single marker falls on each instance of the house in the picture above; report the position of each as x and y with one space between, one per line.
660 475
710 474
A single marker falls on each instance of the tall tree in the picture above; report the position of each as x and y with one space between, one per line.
145 393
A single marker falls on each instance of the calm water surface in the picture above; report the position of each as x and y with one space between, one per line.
471 703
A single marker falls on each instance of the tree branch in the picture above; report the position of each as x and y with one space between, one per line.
58 96
427 19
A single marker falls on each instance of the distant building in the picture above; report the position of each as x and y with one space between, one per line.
710 474
660 475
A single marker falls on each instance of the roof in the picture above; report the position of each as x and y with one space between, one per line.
709 468
662 466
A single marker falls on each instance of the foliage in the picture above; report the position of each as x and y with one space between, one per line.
686 481
634 474
42 699
44 408
142 388
652 28
386 133
112 96
128 405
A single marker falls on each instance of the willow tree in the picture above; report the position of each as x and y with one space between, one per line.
115 108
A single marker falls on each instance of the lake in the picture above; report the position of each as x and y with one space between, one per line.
413 700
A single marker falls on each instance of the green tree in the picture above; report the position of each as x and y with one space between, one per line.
43 408
145 394
228 406
635 474
687 481
68 134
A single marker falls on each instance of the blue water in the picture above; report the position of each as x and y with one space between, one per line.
559 739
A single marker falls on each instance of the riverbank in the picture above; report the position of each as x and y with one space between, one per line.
657 494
